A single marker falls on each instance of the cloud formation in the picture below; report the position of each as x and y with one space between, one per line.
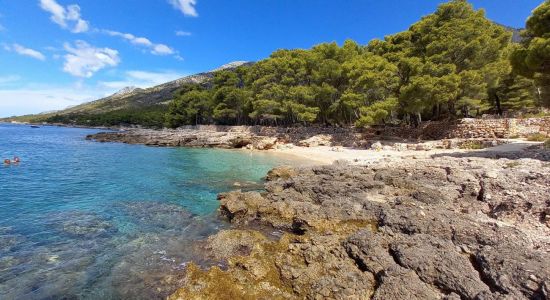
183 33
25 51
161 49
156 49
187 7
69 18
84 60
66 17
142 79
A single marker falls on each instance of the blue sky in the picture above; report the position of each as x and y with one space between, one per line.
58 53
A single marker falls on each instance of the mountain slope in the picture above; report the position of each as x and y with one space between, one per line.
135 98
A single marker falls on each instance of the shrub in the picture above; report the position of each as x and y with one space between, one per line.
537 137
546 144
472 145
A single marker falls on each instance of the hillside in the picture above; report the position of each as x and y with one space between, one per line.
129 98
132 97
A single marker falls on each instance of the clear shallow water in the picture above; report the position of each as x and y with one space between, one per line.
85 220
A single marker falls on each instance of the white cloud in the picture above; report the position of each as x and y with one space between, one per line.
66 17
83 60
156 49
25 51
161 49
187 7
142 79
183 33
131 38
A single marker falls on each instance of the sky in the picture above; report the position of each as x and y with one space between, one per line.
59 53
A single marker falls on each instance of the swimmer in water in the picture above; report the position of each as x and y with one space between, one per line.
7 162
16 159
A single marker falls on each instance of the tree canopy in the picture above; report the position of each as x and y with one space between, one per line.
533 58
452 63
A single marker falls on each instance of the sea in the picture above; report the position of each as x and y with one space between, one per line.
87 220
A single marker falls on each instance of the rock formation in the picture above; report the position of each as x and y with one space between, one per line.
439 228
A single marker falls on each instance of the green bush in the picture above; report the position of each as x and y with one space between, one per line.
546 144
152 117
537 137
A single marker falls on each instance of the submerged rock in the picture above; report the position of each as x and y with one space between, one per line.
82 224
157 214
422 229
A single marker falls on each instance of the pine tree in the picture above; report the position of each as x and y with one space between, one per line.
533 59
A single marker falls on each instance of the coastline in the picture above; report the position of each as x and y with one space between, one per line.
350 146
393 219
116 128
419 220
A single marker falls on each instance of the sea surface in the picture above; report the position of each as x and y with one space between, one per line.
86 220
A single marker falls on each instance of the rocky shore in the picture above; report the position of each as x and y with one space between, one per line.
442 219
187 138
445 227
240 137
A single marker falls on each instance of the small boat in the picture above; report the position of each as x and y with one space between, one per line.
35 126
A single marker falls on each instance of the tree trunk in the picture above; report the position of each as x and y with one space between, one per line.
498 105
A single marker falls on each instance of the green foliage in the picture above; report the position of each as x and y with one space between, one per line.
472 145
532 60
452 63
546 144
152 117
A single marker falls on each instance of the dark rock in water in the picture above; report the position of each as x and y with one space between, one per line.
158 214
441 228
283 172
9 240
82 224
154 264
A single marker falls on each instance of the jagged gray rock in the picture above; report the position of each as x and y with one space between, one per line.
441 228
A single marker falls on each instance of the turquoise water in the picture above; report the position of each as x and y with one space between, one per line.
86 220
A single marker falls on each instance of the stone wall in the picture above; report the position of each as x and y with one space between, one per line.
432 130
338 135
474 128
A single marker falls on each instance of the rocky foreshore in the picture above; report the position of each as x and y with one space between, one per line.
186 138
272 138
434 228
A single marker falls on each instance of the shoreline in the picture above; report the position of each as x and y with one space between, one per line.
66 126
318 149
326 155
430 220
